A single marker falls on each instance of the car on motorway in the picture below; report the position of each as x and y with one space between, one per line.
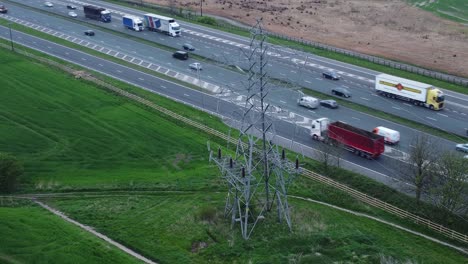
330 75
3 9
196 66
329 103
189 47
89 32
308 101
181 55
72 14
71 7
462 147
340 91
48 4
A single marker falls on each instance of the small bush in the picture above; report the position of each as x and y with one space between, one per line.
207 214
207 20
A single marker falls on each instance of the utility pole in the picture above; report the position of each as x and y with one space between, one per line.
11 38
201 7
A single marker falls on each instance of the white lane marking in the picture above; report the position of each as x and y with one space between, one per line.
431 118
283 102
442 115
83 59
101 65
307 81
186 95
408 104
141 79
119 71
364 98
164 87
355 118
397 108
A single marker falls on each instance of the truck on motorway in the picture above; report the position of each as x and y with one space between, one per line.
162 24
131 22
414 92
361 142
97 13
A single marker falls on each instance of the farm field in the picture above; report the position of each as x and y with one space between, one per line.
456 10
32 235
71 135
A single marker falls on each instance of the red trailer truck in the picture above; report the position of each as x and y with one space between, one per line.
361 142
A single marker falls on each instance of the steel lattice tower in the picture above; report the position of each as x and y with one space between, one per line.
257 175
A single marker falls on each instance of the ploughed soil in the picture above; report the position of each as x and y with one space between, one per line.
387 28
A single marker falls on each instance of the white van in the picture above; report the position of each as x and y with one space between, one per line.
308 101
391 136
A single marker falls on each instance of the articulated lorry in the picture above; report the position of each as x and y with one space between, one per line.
414 92
361 142
97 13
162 24
131 22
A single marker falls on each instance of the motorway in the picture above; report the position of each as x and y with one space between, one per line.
299 68
289 128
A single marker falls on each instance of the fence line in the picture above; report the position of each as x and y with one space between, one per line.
306 173
189 14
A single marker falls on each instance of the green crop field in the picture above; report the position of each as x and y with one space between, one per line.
71 135
456 10
29 234
171 227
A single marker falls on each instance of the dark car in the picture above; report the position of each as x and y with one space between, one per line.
341 92
71 7
181 55
188 47
329 103
89 32
3 9
330 75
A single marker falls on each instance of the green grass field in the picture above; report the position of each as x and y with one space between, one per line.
456 10
167 227
71 135
29 234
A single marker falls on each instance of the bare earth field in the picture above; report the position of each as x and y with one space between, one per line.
388 28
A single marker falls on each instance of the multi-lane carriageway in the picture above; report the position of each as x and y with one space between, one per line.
290 124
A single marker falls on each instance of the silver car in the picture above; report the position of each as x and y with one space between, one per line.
48 4
72 14
196 66
462 147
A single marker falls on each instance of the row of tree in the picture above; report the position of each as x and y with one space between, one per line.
10 171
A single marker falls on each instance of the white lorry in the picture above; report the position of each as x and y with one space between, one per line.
414 92
131 22
162 24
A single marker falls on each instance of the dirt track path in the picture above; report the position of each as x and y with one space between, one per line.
92 231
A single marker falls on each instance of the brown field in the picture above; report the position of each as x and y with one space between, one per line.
387 28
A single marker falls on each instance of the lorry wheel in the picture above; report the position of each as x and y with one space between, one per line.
314 137
415 102
431 107
357 152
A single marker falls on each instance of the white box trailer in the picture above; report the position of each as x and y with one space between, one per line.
415 92
162 24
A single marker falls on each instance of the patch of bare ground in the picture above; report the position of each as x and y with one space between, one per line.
387 28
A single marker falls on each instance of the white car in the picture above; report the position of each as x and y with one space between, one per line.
308 101
72 14
196 66
48 4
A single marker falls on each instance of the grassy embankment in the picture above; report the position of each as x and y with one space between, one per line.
29 234
72 136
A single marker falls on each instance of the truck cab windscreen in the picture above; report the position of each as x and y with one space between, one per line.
440 98
176 28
